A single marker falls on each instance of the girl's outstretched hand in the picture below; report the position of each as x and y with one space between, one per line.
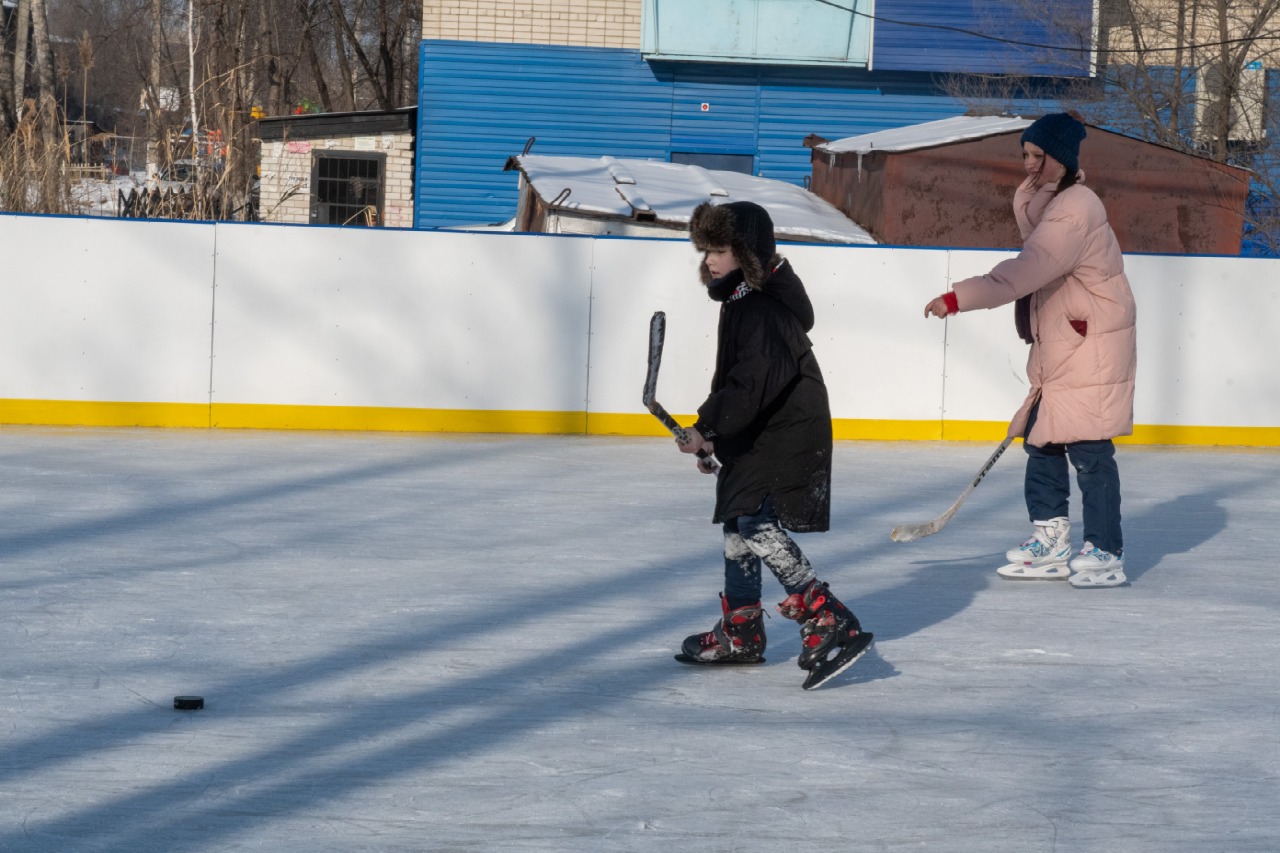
937 307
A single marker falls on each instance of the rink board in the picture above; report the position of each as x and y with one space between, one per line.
109 322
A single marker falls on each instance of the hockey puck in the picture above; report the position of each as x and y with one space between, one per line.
188 703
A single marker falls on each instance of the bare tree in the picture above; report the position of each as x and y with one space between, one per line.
310 14
374 35
8 93
151 89
33 170
33 145
44 54
22 28
1190 73
188 76
1186 74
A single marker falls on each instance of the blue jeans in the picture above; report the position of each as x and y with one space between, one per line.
1048 485
753 541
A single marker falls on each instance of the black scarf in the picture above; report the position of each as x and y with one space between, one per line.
732 287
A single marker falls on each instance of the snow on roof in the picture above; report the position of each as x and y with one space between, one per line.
927 134
654 191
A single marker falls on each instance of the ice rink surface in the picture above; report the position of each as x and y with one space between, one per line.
464 643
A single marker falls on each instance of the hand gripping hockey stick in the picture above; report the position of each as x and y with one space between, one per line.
908 532
657 334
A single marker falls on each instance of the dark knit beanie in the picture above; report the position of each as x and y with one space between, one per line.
744 227
1059 135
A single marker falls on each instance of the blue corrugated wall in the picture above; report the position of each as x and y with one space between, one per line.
480 102
934 35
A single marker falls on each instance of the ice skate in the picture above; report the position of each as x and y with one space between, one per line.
738 638
831 639
1044 555
1097 569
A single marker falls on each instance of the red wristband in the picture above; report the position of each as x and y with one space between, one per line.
949 297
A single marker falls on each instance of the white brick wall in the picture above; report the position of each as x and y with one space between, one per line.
285 191
587 23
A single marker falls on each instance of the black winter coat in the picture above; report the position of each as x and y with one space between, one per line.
768 412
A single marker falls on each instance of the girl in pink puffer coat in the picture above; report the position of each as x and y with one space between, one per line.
1075 308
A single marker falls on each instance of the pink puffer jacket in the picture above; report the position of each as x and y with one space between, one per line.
1084 358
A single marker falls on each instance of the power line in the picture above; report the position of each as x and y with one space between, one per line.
1021 43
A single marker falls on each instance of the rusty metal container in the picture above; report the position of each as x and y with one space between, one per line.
960 193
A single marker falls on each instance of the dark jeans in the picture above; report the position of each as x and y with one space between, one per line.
752 541
1048 485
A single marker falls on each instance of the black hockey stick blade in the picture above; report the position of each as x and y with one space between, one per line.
908 532
657 336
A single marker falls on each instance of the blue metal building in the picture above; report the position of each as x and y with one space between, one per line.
743 97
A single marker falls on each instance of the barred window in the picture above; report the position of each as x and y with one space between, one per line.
347 188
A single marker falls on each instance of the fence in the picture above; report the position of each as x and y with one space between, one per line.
142 203
153 323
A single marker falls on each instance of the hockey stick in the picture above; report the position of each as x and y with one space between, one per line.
657 335
908 532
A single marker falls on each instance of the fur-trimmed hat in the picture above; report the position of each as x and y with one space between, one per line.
1059 135
744 227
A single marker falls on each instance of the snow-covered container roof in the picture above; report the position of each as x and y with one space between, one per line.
666 193
927 134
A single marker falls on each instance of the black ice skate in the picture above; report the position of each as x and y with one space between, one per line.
738 638
831 639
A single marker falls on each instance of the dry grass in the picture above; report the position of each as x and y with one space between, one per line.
35 163
37 175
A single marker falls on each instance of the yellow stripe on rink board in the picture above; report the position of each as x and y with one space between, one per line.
842 429
995 431
254 416
646 424
1204 436
867 429
368 418
103 414
361 418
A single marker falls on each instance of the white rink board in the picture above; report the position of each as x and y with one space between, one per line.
874 369
1208 340
435 320
632 280
120 311
986 367
102 309
880 359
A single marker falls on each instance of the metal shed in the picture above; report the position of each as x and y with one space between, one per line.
650 198
951 183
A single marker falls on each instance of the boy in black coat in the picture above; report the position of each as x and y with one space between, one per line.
768 422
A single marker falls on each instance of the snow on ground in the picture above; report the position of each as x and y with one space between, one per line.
463 643
101 197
